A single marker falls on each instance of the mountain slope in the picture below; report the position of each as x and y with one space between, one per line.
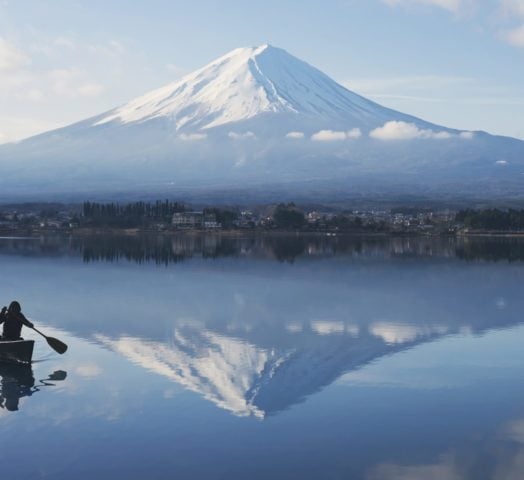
248 82
261 120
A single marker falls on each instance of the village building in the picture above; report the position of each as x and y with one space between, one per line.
195 220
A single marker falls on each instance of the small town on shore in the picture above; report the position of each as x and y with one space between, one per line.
167 216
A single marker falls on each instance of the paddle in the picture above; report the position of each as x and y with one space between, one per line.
54 343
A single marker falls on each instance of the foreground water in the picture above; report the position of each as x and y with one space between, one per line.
281 358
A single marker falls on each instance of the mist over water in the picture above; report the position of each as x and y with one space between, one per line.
267 357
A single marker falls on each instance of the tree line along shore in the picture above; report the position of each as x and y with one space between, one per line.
169 216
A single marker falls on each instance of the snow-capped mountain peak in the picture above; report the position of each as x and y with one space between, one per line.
240 85
262 121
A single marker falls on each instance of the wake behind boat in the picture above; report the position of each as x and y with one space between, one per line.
16 351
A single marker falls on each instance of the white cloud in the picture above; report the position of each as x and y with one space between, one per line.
354 133
65 42
441 135
31 94
175 69
240 136
501 162
333 135
451 5
398 130
193 136
513 7
295 135
467 135
515 37
73 82
11 58
328 136
113 48
514 10
511 10
13 129
91 89
406 83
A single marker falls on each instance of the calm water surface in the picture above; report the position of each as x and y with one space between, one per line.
289 358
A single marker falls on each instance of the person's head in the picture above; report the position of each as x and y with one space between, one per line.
14 307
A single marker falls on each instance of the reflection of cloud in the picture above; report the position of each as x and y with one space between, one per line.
393 333
88 370
515 431
241 136
323 327
501 303
295 135
294 327
445 469
502 452
193 136
353 330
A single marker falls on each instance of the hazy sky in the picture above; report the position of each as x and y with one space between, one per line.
459 63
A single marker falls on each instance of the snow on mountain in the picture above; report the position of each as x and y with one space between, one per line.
260 120
245 83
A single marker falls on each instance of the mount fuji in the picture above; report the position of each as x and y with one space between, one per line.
258 122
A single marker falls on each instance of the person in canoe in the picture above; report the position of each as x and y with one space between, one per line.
13 319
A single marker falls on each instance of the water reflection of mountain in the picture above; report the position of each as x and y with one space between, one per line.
249 379
270 320
162 249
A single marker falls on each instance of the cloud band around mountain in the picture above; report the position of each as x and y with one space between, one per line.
333 135
399 130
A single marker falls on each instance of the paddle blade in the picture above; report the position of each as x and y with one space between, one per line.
57 345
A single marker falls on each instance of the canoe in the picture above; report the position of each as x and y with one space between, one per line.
16 351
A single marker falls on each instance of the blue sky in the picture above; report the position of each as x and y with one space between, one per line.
459 63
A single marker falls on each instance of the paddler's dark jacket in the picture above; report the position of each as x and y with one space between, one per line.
13 324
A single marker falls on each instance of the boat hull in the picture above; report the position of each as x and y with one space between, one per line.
16 351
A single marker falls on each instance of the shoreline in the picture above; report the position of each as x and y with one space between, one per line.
85 232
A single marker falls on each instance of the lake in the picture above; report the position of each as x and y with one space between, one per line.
208 357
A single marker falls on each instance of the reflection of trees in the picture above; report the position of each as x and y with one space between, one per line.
137 249
499 249
165 249
287 249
